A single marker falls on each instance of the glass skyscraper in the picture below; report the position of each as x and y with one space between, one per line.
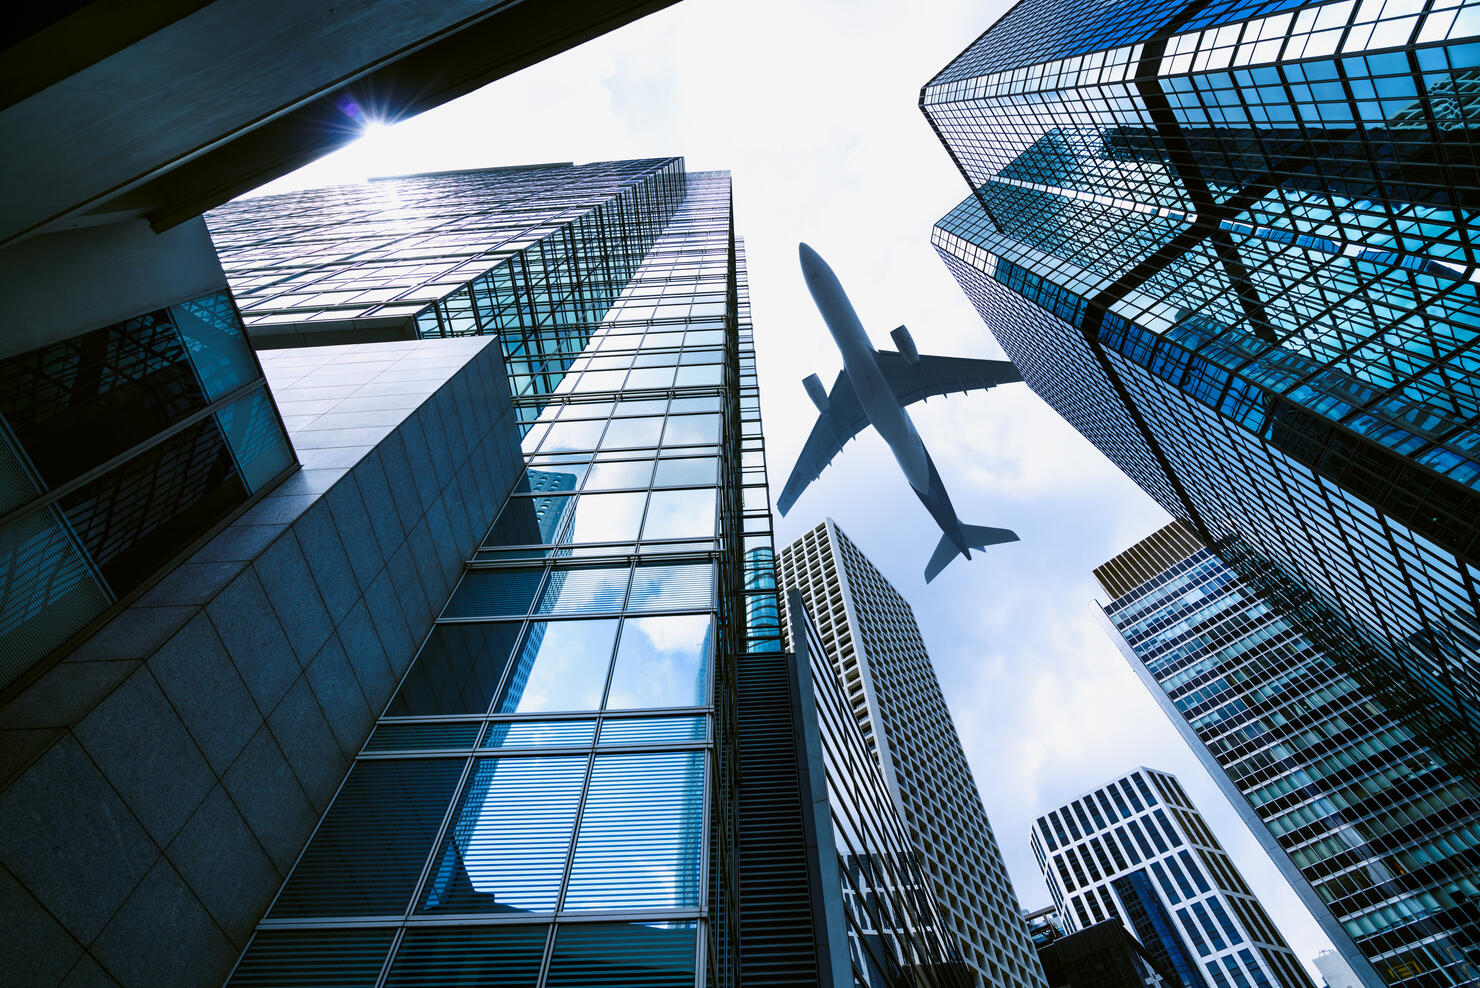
547 799
869 633
1137 850
1374 830
1234 244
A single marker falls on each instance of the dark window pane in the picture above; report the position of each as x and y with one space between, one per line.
313 959
510 837
402 736
251 428
613 955
486 956
370 848
457 671
78 403
491 592
149 508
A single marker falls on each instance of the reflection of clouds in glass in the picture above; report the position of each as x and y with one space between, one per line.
633 432
562 666
586 588
611 474
608 517
680 515
672 587
509 839
662 662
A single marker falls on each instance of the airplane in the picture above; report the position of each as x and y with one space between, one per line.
873 389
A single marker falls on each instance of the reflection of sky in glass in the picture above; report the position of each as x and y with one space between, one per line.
586 588
611 474
657 588
510 836
683 472
642 432
680 515
608 517
639 841
572 435
562 666
662 662
690 429
652 730
540 733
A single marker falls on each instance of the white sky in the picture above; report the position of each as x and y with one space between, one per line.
812 106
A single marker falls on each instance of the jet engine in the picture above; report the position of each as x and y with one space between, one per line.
816 392
905 344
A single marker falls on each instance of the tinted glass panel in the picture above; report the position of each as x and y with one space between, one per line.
510 836
655 588
608 517
686 471
662 662
313 959
250 425
486 956
616 474
692 430
145 510
651 730
637 432
640 833
623 955
585 588
561 666
541 733
457 670
485 593
401 736
530 520
78 403
680 515
370 848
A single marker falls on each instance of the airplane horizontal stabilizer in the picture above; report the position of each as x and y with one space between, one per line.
979 536
944 553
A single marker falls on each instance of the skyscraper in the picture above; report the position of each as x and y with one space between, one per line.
1372 827
1138 850
1233 244
498 685
870 635
547 792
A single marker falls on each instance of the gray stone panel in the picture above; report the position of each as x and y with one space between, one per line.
158 783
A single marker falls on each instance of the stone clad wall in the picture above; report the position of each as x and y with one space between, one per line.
158 783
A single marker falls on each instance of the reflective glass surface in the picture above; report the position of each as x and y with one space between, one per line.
562 666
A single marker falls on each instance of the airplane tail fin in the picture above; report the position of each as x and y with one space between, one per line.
977 537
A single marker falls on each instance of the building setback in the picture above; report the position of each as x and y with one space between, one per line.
1373 828
870 635
1137 850
1233 244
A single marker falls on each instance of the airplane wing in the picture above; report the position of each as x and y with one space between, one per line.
912 382
843 420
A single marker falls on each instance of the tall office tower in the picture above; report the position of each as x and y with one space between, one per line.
1234 245
1137 850
548 798
871 901
875 646
1372 828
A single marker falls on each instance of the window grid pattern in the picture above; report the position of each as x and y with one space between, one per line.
1137 850
896 934
548 779
870 635
1381 826
1234 244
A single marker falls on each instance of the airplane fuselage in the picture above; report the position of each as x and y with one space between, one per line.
885 413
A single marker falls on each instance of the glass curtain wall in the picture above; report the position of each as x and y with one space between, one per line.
120 449
544 801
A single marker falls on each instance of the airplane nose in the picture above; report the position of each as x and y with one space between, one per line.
807 255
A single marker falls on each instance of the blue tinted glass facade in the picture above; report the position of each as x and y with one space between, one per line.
547 799
1371 825
1234 245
